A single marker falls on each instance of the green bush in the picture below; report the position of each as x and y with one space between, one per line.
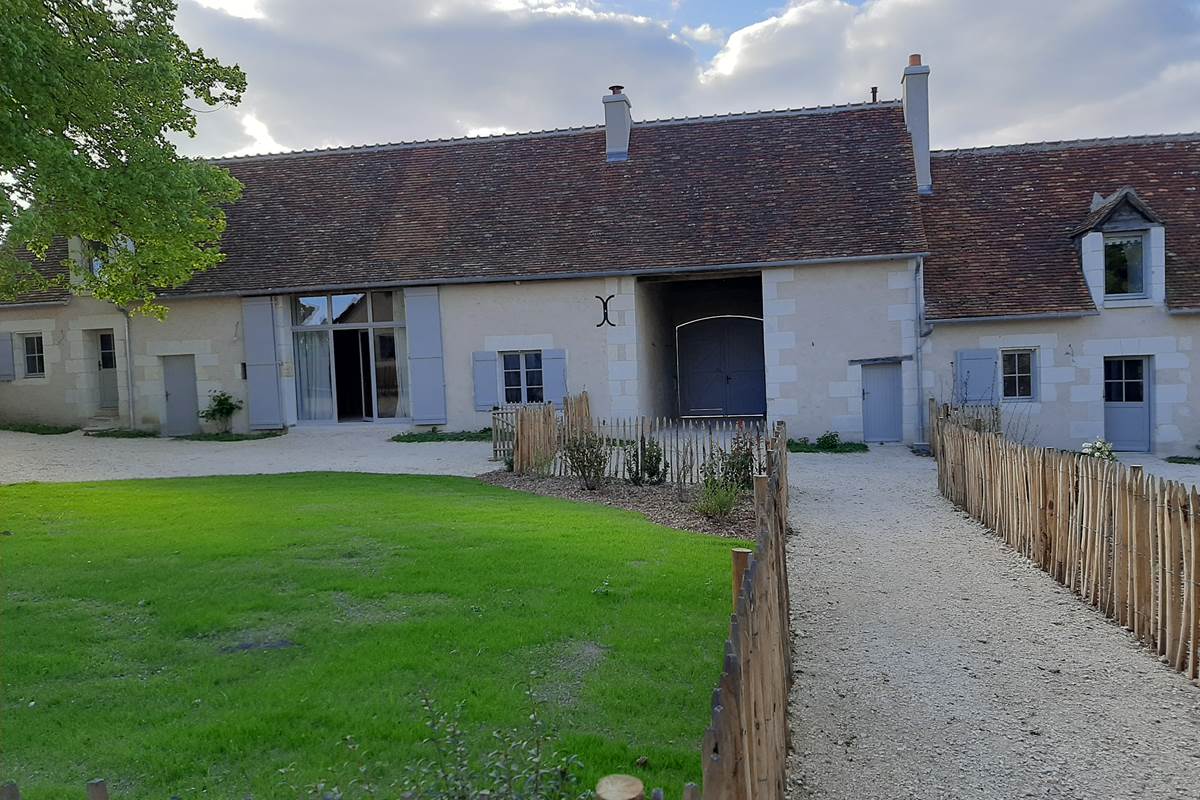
719 488
221 408
125 433
737 465
523 766
829 440
645 462
37 427
586 455
434 435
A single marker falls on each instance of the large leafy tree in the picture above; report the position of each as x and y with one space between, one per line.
91 92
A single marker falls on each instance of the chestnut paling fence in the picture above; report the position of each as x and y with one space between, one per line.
1126 542
533 437
744 751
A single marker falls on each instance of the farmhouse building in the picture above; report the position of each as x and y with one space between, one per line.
820 266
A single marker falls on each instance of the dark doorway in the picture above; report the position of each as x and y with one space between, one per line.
352 355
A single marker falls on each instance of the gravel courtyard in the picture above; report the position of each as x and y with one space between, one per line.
933 663
344 448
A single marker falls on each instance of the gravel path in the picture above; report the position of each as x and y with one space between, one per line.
933 663
344 448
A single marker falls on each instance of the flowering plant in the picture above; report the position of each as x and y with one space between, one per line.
1099 449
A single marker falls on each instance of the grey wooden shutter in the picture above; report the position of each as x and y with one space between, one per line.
554 375
483 370
975 377
264 399
423 311
8 369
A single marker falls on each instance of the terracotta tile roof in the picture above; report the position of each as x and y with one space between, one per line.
1000 221
51 267
771 186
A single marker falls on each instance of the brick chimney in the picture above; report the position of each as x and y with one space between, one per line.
617 123
915 84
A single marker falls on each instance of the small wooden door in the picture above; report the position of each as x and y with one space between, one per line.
107 366
883 403
179 381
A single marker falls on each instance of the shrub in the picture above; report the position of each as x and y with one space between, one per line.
523 765
829 440
737 466
221 408
719 489
586 455
645 462
1099 449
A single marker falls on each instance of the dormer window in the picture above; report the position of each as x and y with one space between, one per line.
1124 265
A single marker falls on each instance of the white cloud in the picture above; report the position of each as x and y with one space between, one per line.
362 71
704 33
261 140
245 9
484 130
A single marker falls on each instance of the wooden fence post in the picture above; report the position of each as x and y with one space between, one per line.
97 790
741 560
9 791
620 787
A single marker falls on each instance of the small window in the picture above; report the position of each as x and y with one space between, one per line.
35 355
523 377
1017 375
310 310
94 255
1124 380
1124 273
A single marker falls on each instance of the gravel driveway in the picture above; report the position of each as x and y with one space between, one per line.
344 448
933 663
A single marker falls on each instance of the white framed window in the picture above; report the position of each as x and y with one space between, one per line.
1125 265
521 373
34 352
1018 371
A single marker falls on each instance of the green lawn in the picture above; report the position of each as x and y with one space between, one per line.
223 637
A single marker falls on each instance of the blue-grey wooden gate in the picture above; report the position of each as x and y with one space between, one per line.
721 368
179 381
883 403
1127 403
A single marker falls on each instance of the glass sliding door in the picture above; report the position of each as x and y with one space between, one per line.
351 353
314 376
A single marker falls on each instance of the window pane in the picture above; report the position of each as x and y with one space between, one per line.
533 377
310 311
512 395
512 361
512 378
535 394
387 376
349 308
1010 363
533 361
1024 386
1133 391
1010 386
314 386
387 306
1133 369
1112 392
1123 265
1112 369
1024 363
33 345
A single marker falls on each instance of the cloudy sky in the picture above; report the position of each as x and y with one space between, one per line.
339 72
